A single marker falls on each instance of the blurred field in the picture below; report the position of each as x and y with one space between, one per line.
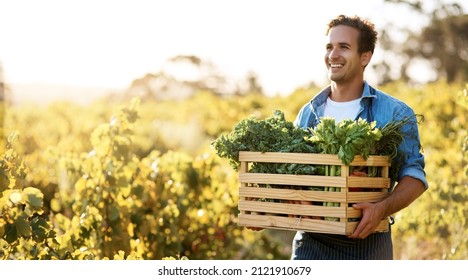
144 180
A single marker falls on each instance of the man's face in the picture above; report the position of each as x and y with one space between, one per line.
342 59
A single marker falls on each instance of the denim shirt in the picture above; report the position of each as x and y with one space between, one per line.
382 108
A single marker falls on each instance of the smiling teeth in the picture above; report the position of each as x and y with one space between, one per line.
336 65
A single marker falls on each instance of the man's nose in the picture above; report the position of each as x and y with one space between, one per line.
333 53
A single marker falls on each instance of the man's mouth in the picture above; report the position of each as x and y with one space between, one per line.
336 65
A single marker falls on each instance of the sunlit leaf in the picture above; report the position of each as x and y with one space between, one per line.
23 228
40 229
33 197
15 197
120 255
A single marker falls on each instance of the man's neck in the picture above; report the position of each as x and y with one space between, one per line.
346 92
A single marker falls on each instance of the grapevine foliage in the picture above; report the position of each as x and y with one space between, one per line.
116 205
77 183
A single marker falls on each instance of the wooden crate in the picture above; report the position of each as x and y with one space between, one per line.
301 208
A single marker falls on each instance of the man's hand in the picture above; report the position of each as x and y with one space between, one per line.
372 214
404 193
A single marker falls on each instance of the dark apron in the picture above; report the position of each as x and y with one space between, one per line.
317 246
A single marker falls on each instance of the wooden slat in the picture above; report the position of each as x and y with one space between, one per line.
371 161
306 158
303 158
295 180
292 209
290 194
311 225
277 222
244 167
299 209
382 227
385 172
353 213
354 197
345 173
314 180
368 182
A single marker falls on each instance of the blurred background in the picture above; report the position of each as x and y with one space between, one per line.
140 176
82 50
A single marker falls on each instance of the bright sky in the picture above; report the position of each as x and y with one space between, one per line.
110 43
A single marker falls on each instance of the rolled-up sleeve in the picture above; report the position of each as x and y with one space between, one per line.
412 160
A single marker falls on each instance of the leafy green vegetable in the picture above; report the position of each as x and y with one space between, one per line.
273 134
348 138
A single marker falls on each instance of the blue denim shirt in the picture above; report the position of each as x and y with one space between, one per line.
382 108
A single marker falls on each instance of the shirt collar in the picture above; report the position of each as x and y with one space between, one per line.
322 96
368 91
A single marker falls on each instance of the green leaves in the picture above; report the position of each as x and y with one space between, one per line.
41 230
348 138
21 225
23 228
324 135
273 134
33 199
4 180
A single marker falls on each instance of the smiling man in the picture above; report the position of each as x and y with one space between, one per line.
349 49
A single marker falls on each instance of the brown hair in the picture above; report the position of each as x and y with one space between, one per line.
367 34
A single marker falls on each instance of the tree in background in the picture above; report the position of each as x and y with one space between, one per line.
442 43
183 76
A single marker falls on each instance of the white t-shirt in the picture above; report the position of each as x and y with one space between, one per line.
342 110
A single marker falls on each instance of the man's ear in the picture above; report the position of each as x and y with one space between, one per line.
365 58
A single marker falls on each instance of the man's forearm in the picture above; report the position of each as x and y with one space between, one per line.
405 192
